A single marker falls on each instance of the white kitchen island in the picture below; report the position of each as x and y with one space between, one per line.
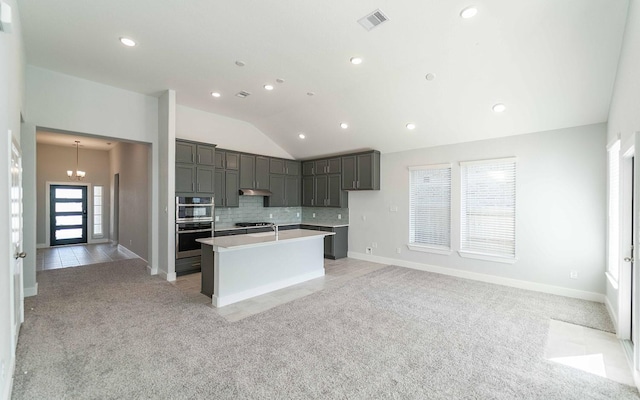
236 268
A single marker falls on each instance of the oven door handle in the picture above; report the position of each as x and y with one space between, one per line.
195 231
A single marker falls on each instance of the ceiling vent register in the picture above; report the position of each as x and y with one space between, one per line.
242 94
372 20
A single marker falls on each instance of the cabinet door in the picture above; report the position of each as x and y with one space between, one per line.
307 168
219 163
262 173
334 191
276 166
185 178
292 191
247 171
364 174
205 179
293 168
349 172
277 187
321 167
206 155
320 187
308 194
218 188
185 152
232 195
333 165
232 161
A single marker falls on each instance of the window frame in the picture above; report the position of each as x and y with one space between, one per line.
431 248
481 255
94 235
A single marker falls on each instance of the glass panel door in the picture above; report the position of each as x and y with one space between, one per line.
68 214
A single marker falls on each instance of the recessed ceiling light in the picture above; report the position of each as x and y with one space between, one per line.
301 136
240 63
411 126
430 76
268 87
356 60
499 107
215 94
344 125
469 12
127 42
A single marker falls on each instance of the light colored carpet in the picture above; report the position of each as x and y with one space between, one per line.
110 331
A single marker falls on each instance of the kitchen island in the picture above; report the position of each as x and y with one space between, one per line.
236 268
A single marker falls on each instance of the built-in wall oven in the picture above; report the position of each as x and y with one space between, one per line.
194 220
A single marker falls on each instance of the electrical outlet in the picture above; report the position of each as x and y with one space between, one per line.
393 209
339 216
374 245
573 274
313 215
217 218
364 217
398 250
297 215
270 215
368 250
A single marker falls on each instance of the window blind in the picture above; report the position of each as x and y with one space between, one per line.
488 208
614 210
430 206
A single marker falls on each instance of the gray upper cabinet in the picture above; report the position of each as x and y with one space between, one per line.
307 168
308 193
320 167
185 152
361 171
277 166
231 160
262 172
231 189
285 191
205 177
254 172
292 168
323 191
205 155
334 165
292 191
219 188
185 178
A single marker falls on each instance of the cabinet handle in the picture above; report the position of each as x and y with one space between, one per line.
198 187
311 201
198 158
313 170
357 184
193 187
193 158
353 184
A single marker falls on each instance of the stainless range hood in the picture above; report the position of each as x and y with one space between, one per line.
255 192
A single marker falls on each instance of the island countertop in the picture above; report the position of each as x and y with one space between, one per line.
229 243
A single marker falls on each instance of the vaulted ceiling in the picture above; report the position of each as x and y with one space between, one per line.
552 63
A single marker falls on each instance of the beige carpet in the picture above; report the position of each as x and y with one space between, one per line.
110 331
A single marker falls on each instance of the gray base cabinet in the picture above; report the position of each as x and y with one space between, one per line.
335 246
188 265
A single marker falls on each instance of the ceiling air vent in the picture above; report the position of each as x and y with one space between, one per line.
242 94
372 20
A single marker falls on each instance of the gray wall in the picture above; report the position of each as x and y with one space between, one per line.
52 163
130 160
560 223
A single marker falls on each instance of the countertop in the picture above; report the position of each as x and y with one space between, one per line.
233 227
227 243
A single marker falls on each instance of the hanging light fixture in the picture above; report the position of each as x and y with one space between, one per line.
76 175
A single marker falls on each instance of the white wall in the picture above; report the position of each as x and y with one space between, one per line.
130 160
167 180
560 206
52 165
11 104
226 133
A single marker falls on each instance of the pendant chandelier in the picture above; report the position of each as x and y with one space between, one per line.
76 175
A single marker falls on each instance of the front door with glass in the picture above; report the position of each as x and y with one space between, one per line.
68 205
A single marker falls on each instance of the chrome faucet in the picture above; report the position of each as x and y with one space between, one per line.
275 229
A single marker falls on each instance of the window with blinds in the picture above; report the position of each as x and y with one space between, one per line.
488 210
614 210
430 208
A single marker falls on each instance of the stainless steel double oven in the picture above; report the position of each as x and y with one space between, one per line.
194 220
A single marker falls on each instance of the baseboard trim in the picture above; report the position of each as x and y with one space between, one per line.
612 313
41 245
247 294
31 291
537 287
8 389
152 270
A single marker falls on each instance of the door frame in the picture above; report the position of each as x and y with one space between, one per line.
625 277
47 210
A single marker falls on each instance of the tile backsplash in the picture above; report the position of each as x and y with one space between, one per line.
252 210
325 215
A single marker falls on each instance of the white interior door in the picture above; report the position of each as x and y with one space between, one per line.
17 295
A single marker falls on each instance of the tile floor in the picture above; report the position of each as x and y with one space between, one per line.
589 350
76 255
